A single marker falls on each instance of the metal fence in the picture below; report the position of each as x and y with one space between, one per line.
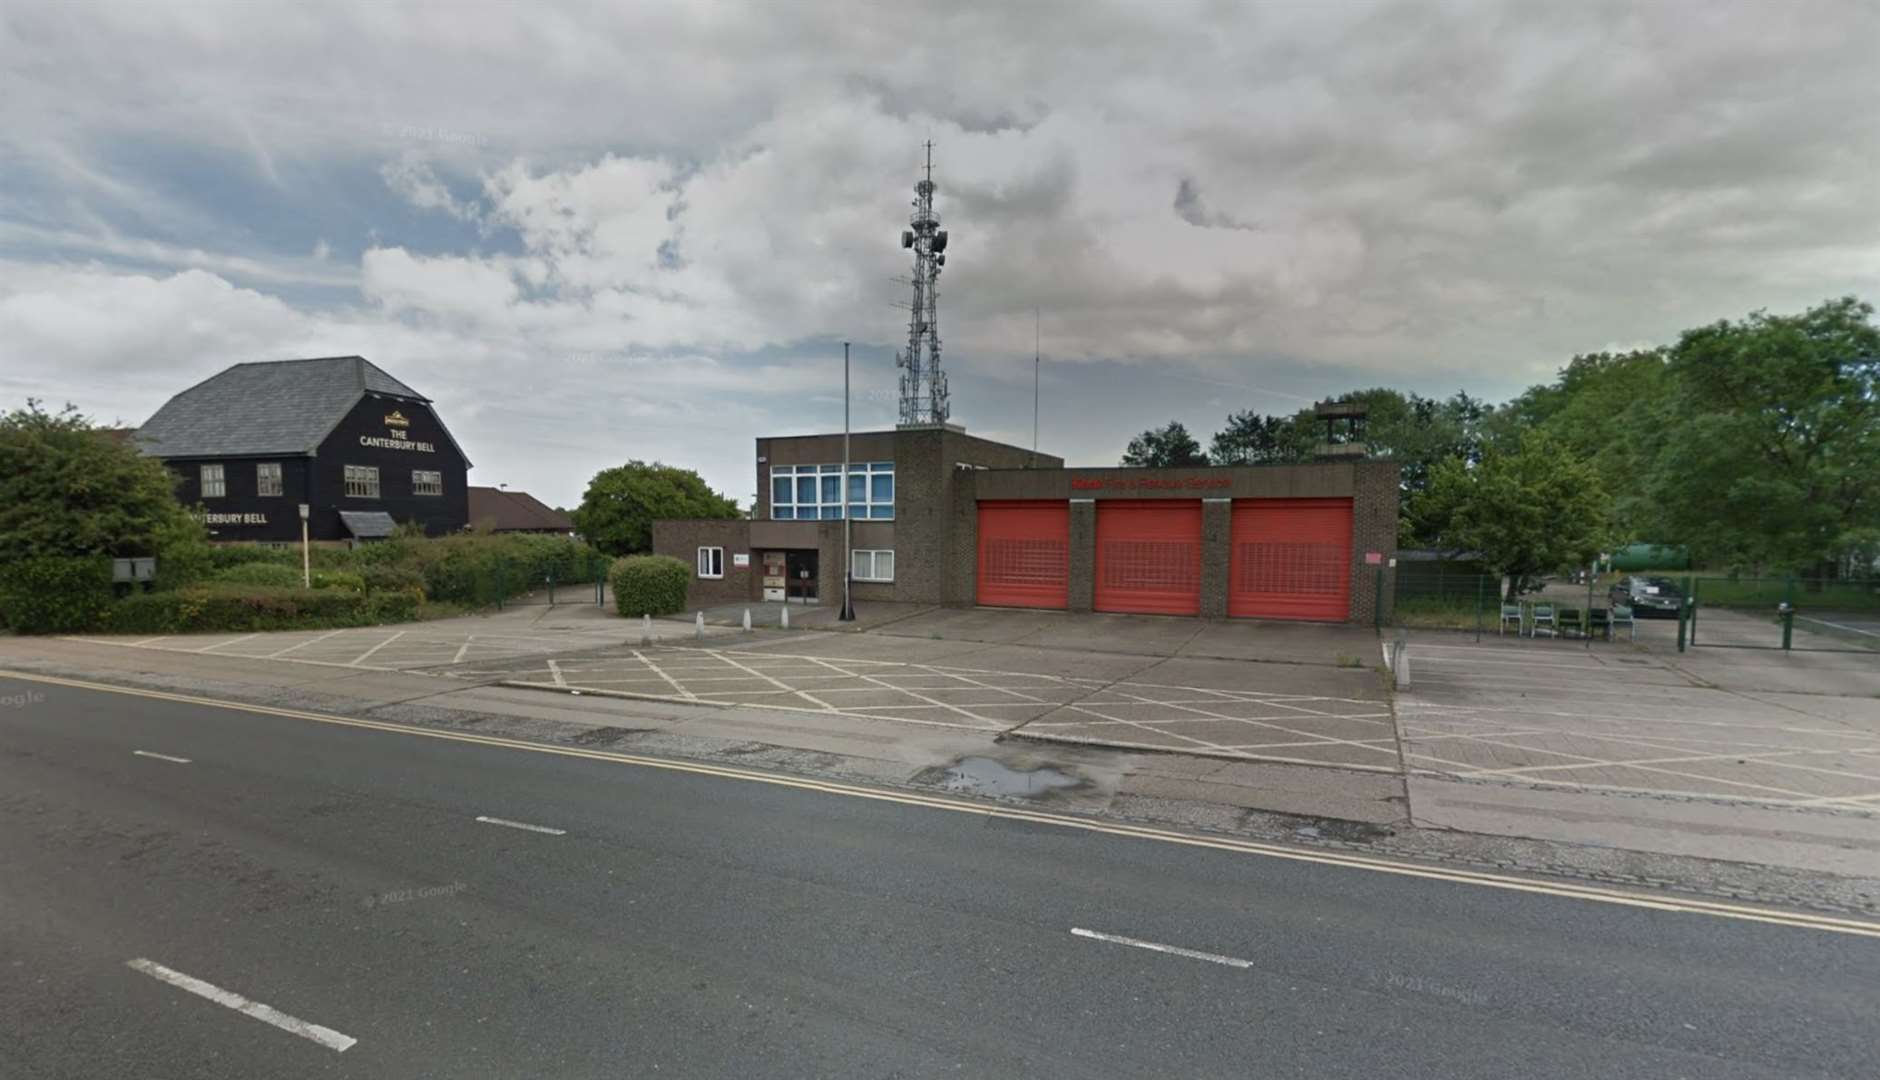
1790 613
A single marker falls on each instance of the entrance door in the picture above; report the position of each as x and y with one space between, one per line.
1149 556
1024 554
1291 559
800 573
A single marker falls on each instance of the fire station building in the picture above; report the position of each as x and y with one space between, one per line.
941 517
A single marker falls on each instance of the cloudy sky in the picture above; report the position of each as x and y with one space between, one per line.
595 232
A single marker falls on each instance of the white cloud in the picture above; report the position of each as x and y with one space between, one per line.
1274 201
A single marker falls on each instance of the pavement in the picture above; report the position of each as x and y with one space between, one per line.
254 891
1618 761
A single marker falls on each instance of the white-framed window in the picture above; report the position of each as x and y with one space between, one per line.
362 482
814 492
711 562
873 565
214 483
268 478
427 482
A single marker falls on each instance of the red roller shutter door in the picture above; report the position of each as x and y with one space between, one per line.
1024 554
1291 560
1149 557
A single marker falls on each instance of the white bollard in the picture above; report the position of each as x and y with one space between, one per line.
698 626
646 629
786 616
1401 669
747 620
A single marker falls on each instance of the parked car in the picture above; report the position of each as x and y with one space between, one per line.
1648 597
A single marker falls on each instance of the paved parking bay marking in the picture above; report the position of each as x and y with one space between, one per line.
505 822
325 1036
367 655
231 641
1172 950
1540 886
160 757
299 644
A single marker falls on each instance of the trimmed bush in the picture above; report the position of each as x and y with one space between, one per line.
55 594
275 575
393 579
339 579
223 606
224 556
649 584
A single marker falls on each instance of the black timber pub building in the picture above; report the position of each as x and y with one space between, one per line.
363 450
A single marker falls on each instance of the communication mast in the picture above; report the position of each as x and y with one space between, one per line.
923 384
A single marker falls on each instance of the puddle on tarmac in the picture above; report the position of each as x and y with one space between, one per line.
985 776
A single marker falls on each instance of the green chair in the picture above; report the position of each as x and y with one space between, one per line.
1622 616
1571 621
1599 623
1511 613
1541 620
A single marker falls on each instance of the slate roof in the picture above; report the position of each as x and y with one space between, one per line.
268 407
368 524
514 511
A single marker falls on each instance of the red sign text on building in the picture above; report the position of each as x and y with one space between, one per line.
1148 483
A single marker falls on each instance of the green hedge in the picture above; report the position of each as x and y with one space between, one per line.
54 594
649 584
276 575
393 579
252 608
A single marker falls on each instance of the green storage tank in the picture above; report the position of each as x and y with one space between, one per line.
1636 557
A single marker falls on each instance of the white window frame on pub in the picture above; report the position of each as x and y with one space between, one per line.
427 482
362 482
814 492
872 564
214 482
267 478
711 562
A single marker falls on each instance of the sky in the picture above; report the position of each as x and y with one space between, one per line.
612 231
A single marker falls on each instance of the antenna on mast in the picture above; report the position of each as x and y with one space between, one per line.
1037 361
923 384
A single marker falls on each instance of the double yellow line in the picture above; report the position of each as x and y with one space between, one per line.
1569 890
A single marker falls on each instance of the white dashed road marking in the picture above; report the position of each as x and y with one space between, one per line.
522 825
1153 946
160 757
325 1036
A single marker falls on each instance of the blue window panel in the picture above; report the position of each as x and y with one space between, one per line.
783 513
780 489
880 511
806 489
858 510
881 466
832 489
858 488
834 512
832 468
881 488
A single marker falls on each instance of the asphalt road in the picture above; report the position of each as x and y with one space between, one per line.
688 925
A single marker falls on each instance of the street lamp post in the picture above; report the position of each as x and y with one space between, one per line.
306 559
847 614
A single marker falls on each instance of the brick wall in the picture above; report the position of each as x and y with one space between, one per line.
682 539
1374 496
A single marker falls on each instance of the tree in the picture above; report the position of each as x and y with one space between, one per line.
68 488
1608 408
1770 450
1252 438
617 512
1523 511
1167 447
